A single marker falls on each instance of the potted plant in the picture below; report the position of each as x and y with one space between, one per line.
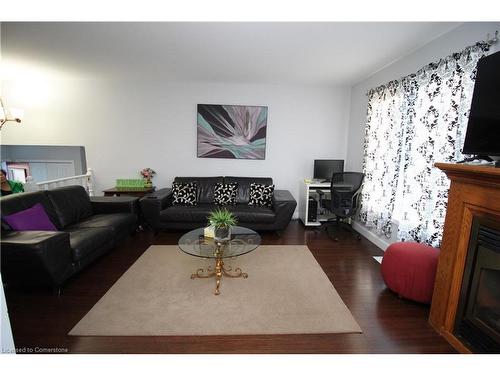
222 220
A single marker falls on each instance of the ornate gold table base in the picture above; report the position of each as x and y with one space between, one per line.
219 271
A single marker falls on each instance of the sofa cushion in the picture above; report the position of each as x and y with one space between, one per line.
261 195
33 218
196 214
84 241
252 214
184 194
244 185
19 202
206 187
71 204
225 194
121 224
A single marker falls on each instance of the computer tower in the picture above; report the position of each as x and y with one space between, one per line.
312 211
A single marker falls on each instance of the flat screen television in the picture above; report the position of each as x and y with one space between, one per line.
483 130
323 169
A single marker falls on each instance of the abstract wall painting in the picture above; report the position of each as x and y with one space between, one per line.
232 131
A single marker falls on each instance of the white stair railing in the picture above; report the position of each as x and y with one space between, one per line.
86 180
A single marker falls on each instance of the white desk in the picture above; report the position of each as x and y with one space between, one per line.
308 189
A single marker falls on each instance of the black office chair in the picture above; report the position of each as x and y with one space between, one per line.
344 191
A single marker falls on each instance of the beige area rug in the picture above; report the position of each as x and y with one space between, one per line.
286 292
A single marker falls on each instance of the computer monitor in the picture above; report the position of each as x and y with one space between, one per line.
323 169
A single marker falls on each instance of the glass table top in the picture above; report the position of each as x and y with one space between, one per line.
243 240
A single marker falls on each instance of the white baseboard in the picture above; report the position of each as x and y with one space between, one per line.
379 241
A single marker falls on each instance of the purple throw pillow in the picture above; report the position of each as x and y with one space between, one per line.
34 218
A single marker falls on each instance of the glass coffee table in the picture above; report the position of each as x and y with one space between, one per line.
243 241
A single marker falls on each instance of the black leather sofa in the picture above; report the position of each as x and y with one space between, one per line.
159 213
86 230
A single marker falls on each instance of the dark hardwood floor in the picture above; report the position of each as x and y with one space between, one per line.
390 325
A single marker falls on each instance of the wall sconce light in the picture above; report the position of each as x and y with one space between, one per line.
6 115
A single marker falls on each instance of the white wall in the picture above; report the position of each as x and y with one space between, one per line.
454 41
126 125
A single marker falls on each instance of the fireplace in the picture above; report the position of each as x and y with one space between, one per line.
477 322
465 304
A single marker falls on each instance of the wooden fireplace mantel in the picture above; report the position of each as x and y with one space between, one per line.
474 191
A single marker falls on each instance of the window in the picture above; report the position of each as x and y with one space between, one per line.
411 124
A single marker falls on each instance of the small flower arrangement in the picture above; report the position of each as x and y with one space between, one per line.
147 174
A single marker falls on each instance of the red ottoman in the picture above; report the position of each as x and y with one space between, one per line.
409 269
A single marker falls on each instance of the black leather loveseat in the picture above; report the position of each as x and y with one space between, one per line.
86 229
159 212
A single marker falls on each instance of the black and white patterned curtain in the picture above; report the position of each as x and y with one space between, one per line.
411 124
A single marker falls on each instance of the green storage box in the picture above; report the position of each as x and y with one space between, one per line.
124 183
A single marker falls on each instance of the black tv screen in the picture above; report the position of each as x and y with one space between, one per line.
323 169
483 130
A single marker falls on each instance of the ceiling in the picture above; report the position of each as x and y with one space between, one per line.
329 53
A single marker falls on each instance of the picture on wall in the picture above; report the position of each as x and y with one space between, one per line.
232 131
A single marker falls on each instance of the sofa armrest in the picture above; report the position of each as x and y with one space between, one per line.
152 204
284 205
281 196
40 257
112 205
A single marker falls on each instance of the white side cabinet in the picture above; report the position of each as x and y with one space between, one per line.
308 190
